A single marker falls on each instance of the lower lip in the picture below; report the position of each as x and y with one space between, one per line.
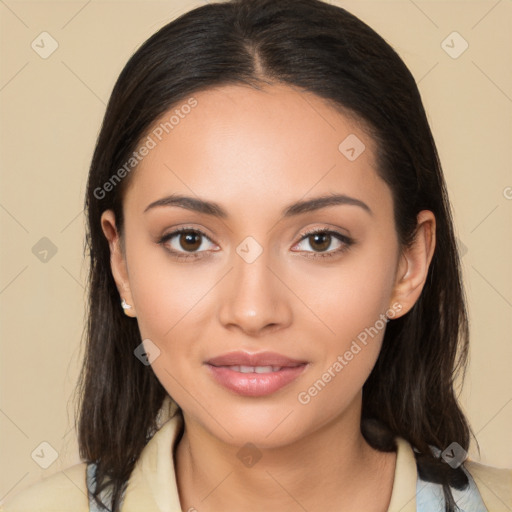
255 384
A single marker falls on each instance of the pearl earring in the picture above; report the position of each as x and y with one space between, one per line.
124 305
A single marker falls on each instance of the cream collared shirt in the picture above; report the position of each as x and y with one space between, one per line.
152 486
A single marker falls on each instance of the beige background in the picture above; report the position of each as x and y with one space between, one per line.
51 110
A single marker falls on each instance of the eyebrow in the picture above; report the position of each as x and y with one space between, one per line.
297 208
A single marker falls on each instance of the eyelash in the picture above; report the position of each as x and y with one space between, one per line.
347 242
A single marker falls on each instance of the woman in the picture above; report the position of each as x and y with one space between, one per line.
276 311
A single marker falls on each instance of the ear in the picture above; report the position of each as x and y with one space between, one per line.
117 260
414 263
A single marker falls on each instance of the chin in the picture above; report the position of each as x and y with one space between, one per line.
265 425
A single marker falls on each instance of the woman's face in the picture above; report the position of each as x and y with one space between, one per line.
266 334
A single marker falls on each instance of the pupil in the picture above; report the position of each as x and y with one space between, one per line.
326 241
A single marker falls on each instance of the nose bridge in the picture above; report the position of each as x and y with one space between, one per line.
255 297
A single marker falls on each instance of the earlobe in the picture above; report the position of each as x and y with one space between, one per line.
414 263
118 263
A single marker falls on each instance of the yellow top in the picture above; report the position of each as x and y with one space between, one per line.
152 484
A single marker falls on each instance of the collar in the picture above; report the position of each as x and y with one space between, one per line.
152 485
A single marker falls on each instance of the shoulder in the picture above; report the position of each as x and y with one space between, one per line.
63 491
494 485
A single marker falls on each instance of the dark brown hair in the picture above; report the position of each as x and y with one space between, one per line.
320 48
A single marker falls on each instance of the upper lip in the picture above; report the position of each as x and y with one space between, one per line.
240 358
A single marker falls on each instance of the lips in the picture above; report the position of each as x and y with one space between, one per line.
254 374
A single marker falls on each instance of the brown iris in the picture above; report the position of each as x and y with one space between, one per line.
323 239
190 240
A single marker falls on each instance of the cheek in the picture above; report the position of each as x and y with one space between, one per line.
172 311
352 304
358 304
351 298
347 356
167 294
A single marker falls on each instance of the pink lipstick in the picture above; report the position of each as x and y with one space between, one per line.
254 375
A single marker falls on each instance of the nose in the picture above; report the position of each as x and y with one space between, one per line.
254 299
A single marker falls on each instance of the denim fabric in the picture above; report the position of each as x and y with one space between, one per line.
430 497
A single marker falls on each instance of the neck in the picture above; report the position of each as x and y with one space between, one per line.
332 465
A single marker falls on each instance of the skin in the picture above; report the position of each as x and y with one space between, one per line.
255 152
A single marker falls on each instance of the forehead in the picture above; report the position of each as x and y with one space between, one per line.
243 146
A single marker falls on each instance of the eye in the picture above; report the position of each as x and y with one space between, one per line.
185 243
321 239
190 243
